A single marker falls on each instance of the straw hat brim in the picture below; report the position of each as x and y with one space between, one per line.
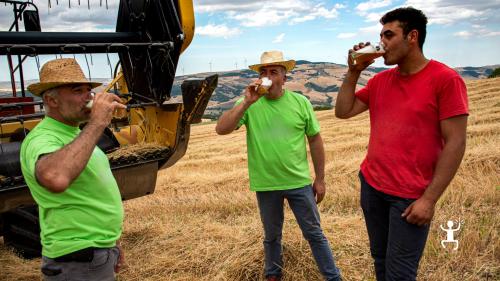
38 88
288 65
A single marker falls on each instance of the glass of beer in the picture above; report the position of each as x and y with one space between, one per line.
368 53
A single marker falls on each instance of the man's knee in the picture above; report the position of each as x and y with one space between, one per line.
272 237
314 234
401 269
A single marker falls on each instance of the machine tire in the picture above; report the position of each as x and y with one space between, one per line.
22 231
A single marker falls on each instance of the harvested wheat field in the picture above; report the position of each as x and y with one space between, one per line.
202 222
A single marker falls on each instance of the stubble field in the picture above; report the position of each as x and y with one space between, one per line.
202 222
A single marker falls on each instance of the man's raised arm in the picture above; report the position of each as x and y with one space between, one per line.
347 105
57 170
228 122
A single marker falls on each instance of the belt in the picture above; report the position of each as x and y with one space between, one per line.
83 255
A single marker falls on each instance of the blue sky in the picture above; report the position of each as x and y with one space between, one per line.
231 34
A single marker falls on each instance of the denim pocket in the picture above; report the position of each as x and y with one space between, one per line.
51 270
101 257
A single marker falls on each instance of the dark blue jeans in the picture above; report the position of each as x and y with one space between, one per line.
303 205
395 244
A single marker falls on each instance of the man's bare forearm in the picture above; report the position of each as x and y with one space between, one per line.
56 171
454 135
230 119
446 168
318 156
346 97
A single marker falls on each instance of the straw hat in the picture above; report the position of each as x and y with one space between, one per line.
57 73
273 58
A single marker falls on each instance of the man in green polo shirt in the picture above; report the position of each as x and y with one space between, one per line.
278 121
69 177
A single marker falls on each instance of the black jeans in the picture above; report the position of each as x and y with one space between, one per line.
396 245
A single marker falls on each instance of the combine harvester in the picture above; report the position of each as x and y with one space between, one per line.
152 134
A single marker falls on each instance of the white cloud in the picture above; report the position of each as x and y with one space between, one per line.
477 31
303 19
369 33
364 7
491 34
279 38
481 31
452 11
374 17
268 12
375 29
220 30
463 34
443 12
321 11
346 35
318 12
261 17
77 18
210 6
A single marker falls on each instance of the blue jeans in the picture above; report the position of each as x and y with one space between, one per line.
303 205
395 244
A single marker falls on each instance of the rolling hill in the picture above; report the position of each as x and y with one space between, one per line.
318 81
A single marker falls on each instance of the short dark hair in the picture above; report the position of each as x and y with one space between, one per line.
410 19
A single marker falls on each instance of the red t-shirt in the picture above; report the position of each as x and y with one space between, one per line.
405 114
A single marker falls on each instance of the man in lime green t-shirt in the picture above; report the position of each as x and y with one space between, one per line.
278 121
69 177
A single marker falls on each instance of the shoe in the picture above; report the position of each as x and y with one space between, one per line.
273 278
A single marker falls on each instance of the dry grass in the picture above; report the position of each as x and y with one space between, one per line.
202 222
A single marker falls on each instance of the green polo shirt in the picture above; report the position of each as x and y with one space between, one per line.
89 213
276 141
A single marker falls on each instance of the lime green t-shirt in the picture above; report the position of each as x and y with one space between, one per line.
89 213
276 142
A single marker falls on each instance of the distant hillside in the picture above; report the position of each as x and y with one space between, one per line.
318 81
469 72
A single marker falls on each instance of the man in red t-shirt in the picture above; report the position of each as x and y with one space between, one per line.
418 119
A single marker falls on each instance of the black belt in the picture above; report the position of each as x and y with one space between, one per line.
83 255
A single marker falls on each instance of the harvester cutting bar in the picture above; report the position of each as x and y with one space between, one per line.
22 117
41 43
18 104
21 104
